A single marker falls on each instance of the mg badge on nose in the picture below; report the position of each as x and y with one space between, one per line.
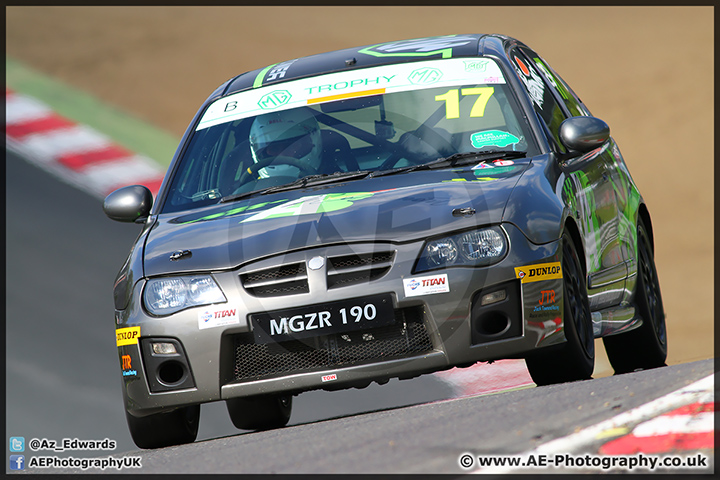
316 263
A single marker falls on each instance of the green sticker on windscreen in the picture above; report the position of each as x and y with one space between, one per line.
493 138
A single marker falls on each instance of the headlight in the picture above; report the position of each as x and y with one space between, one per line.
475 248
167 295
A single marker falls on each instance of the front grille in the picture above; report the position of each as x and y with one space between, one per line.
342 271
270 282
407 337
348 270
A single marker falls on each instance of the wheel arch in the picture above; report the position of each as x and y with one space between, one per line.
574 232
644 215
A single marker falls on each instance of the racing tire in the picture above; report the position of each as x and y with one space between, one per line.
646 346
165 429
575 359
263 412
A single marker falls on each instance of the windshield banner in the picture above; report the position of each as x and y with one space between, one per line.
352 84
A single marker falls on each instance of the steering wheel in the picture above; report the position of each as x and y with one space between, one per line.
424 134
280 159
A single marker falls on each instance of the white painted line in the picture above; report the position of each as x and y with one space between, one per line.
665 425
60 171
123 171
45 148
19 109
56 143
700 391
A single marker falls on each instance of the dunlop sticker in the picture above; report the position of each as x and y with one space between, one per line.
536 273
127 336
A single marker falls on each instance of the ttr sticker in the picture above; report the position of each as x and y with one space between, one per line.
127 367
547 297
536 273
493 138
127 336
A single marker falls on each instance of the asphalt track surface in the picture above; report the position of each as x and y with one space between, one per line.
63 379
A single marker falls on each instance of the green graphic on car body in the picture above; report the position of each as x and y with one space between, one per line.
228 213
302 206
493 138
419 47
261 76
493 170
310 205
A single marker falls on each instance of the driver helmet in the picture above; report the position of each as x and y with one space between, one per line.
290 133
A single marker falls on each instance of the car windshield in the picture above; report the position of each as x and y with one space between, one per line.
376 119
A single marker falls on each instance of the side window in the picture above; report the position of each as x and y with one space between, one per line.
572 101
542 98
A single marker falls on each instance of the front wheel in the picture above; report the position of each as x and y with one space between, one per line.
646 346
574 360
165 429
260 413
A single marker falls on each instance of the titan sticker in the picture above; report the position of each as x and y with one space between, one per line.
218 317
537 273
415 287
127 336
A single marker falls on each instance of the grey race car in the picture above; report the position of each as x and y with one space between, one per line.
374 213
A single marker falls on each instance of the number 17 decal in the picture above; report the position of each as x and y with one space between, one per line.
452 101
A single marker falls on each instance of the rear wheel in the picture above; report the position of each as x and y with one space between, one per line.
575 359
260 413
165 429
646 346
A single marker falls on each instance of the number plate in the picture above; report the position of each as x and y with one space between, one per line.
314 320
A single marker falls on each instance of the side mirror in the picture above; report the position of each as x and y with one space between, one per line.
128 204
583 134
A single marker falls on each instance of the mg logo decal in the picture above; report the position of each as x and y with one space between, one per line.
424 76
274 99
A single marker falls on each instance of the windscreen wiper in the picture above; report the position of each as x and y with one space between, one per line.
322 179
455 160
466 158
310 180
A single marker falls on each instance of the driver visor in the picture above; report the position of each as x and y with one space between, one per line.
296 147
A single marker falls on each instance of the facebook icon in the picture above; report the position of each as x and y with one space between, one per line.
17 462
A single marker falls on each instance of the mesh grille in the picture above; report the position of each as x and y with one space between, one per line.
407 337
347 261
353 269
276 281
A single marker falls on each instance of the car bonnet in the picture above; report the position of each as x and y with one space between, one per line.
400 208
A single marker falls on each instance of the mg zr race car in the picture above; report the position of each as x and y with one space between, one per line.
374 213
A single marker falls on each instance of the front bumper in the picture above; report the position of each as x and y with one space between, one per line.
432 332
